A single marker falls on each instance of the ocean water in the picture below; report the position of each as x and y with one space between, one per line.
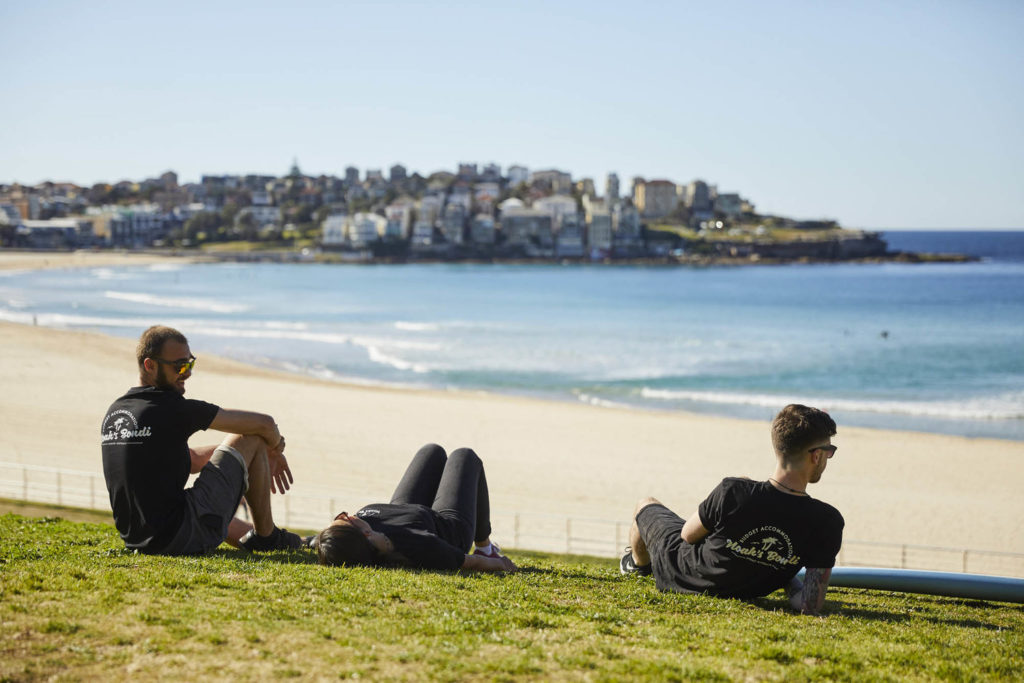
926 347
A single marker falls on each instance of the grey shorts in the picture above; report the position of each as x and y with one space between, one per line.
660 528
210 504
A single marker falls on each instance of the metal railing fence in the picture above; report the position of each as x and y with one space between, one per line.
520 530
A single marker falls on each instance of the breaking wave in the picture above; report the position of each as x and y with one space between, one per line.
172 302
1005 407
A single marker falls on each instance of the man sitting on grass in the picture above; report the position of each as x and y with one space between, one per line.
147 461
749 538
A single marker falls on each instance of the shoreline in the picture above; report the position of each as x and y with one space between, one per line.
11 259
980 426
542 456
18 259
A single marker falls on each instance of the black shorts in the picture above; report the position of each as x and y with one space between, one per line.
210 504
661 528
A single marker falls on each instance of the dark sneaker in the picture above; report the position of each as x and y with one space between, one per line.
495 551
628 566
279 539
309 541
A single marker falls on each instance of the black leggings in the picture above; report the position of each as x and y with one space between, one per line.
455 487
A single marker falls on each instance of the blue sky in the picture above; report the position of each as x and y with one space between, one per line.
878 114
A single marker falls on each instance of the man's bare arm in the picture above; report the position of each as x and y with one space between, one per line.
694 530
246 422
809 597
263 426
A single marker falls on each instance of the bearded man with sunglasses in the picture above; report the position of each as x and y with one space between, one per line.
147 461
749 538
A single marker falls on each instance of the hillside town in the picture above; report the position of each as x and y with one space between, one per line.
475 212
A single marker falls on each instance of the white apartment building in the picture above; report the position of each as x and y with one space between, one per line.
570 237
422 234
517 174
333 231
263 215
366 228
399 218
430 208
600 233
453 222
556 206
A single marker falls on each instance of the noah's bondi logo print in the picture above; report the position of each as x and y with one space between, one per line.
767 545
120 427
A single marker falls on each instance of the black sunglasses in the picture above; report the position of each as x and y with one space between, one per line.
830 448
180 366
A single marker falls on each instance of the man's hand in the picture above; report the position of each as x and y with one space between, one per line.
809 597
280 474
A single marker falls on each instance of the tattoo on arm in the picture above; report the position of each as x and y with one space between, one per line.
815 585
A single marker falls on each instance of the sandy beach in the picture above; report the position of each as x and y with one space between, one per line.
25 260
542 457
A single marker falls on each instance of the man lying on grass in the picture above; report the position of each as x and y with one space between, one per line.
439 509
147 461
749 538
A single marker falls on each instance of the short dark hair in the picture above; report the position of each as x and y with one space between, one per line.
152 341
343 544
797 428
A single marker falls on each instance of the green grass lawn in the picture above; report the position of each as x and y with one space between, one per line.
75 605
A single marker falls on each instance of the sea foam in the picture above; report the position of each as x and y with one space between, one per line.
1008 406
190 303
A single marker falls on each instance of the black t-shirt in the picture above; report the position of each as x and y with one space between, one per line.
146 462
420 535
759 539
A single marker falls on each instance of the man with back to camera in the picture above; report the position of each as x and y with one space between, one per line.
147 461
749 538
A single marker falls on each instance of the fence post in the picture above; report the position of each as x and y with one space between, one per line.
903 557
515 530
568 535
965 561
59 497
24 483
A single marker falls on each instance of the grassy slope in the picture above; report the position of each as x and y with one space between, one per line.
74 604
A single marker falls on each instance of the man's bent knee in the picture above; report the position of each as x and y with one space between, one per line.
249 445
464 454
644 502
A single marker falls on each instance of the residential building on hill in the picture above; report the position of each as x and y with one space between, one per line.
611 188
517 175
655 198
569 241
554 181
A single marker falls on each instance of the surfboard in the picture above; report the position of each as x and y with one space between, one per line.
952 584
